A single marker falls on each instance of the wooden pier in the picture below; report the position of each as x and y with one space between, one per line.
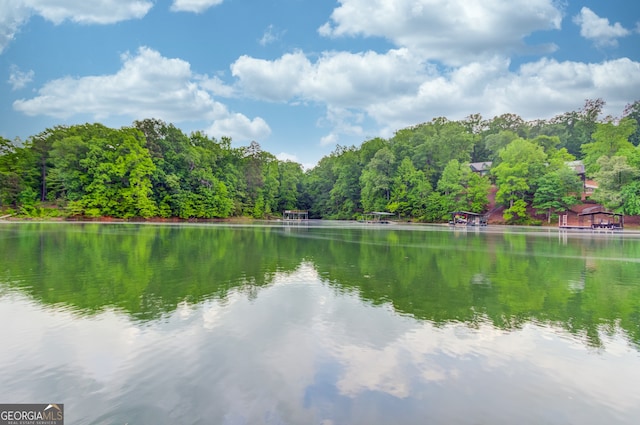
295 215
377 217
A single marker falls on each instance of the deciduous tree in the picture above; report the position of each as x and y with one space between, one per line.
609 139
617 184
376 180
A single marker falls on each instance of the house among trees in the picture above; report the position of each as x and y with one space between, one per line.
588 186
578 167
481 168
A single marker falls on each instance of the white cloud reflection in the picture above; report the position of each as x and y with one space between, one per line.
300 351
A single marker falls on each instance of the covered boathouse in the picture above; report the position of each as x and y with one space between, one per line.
466 218
295 215
594 219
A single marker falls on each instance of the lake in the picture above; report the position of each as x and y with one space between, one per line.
320 323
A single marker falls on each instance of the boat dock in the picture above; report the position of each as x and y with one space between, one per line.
467 218
295 215
377 217
595 220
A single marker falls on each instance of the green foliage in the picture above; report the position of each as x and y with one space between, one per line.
548 143
453 179
188 181
259 208
632 111
630 193
28 197
631 198
104 171
557 191
35 211
437 209
344 196
455 185
11 182
433 145
558 159
154 169
462 189
367 150
511 186
617 184
477 193
516 213
576 127
260 187
290 179
376 181
523 162
508 123
494 143
317 185
410 190
609 139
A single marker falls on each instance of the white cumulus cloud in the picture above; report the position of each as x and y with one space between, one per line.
15 13
342 121
539 89
89 12
283 156
271 35
147 86
329 140
216 86
398 89
452 31
341 78
598 29
19 79
238 126
12 17
451 58
277 80
195 6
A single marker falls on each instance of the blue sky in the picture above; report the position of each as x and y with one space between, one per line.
301 76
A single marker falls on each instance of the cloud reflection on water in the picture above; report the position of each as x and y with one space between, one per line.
299 351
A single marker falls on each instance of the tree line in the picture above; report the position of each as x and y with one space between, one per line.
153 169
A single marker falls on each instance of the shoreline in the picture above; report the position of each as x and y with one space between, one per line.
633 227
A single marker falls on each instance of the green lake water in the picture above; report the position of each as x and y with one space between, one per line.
320 323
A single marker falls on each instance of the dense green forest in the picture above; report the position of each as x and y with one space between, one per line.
153 169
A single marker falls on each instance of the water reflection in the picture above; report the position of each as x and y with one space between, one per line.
235 325
584 283
300 352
